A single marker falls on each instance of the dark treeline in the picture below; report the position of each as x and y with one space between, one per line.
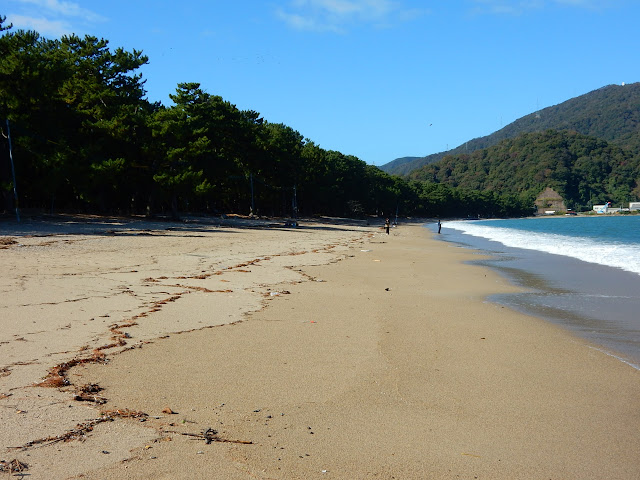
86 139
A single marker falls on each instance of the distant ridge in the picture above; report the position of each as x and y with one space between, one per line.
611 113
398 163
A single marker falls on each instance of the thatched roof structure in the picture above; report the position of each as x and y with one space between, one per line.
550 200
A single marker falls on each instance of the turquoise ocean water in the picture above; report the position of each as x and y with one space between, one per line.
580 272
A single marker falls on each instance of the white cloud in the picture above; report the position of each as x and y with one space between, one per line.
506 7
45 27
338 15
579 3
301 22
51 18
66 9
517 7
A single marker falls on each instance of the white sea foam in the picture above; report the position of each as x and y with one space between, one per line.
631 364
619 255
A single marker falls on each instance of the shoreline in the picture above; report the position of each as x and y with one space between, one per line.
595 301
393 364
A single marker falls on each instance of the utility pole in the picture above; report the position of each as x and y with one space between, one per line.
13 172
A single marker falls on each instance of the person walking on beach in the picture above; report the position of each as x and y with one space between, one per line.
386 226
439 226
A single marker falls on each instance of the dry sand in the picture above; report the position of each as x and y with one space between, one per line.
366 356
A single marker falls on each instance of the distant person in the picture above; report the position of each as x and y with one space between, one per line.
439 226
386 226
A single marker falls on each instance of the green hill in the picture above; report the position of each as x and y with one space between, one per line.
583 169
398 164
611 113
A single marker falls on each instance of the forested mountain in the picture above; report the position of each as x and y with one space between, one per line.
399 164
83 137
610 113
583 169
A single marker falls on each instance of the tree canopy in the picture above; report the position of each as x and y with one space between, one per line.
86 138
584 170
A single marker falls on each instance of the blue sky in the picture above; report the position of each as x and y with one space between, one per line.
378 79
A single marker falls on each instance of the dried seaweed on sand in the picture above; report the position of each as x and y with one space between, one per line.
87 393
57 375
13 466
81 429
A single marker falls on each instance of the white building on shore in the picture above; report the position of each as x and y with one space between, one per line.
607 208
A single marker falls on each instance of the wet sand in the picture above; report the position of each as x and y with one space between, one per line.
596 302
375 357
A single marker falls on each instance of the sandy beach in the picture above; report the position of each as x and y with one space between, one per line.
248 350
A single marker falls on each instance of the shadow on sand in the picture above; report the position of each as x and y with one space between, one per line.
81 224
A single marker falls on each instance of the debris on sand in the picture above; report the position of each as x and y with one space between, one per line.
79 433
87 393
6 242
57 375
210 435
13 466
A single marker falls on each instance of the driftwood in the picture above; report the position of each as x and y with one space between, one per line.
210 435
